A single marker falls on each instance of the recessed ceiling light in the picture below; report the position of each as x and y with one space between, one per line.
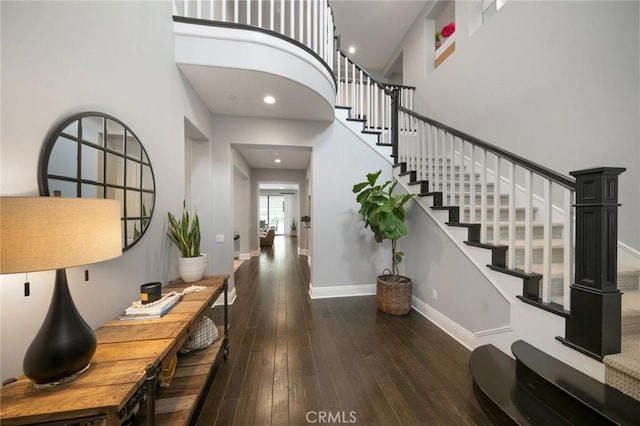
269 100
277 160
352 49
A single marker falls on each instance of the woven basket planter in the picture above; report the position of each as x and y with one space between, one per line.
393 294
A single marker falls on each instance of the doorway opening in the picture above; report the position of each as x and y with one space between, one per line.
278 206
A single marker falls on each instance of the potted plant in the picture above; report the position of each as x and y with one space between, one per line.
438 39
384 214
294 228
185 233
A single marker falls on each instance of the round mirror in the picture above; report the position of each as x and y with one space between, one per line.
94 155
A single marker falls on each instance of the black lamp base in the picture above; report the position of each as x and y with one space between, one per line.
65 343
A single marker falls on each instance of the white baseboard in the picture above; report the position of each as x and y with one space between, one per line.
465 337
231 297
244 256
459 333
255 253
341 291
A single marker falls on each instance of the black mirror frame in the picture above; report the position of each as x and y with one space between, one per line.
43 168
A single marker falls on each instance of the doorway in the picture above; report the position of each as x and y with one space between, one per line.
278 206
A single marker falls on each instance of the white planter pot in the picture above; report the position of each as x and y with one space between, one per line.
192 269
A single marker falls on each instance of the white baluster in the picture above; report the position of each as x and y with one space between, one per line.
369 111
185 8
376 113
472 185
199 9
528 240
339 71
322 28
437 153
283 17
315 26
361 93
175 8
292 20
511 235
236 11
567 243
272 14
259 6
309 40
212 14
483 196
451 169
353 90
547 249
411 135
496 201
301 22
461 169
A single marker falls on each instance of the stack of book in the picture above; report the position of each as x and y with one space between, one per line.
138 311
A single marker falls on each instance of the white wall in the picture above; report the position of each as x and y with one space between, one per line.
61 58
343 251
439 268
555 82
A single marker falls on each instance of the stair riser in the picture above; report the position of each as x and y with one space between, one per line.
466 187
631 323
520 214
503 202
625 282
628 281
537 232
557 255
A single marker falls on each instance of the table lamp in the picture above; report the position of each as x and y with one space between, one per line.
45 233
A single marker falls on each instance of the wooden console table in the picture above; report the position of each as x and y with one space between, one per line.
123 371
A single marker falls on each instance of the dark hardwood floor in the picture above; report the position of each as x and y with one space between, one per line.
297 361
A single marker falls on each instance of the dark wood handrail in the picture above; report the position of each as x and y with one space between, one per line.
522 162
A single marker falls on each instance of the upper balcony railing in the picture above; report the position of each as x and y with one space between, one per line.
309 22
368 98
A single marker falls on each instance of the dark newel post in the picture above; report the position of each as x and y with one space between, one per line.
595 324
395 104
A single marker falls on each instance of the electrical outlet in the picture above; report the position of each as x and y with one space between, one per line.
435 294
219 238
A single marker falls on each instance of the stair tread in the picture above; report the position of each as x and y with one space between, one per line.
576 386
500 395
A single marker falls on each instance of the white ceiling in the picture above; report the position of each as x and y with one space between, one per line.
263 156
374 27
241 92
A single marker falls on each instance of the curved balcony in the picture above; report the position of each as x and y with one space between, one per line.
235 53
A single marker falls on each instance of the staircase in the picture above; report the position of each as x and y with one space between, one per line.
482 223
526 236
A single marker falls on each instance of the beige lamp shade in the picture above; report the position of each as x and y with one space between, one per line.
45 233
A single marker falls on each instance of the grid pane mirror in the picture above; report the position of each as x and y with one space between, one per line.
94 155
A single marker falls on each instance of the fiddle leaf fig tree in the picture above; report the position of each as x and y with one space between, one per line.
383 213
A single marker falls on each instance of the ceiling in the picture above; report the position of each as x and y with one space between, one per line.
294 101
374 27
264 156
